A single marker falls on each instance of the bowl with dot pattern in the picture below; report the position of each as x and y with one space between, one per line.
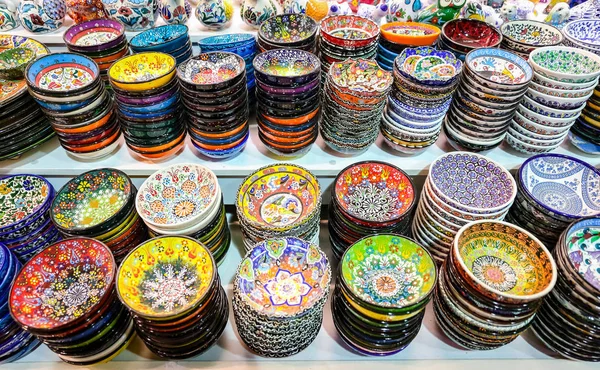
565 64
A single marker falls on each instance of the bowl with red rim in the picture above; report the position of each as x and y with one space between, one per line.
349 30
94 35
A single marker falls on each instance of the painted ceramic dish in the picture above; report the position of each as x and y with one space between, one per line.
349 30
286 66
428 65
212 68
283 277
62 284
221 42
499 66
167 37
142 71
470 34
21 197
94 35
9 42
565 64
92 199
288 29
410 33
360 75
562 185
165 276
503 261
531 33
585 31
62 73
279 197
581 241
13 62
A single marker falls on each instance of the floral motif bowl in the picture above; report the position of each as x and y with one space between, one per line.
22 198
565 187
584 31
221 42
467 34
62 74
212 71
288 29
527 35
552 113
361 76
560 93
410 33
286 67
166 277
565 64
503 262
500 67
178 196
13 62
567 102
349 30
164 38
63 284
142 71
94 35
428 65
283 278
580 245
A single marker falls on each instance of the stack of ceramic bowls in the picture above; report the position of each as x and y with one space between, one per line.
279 291
354 98
383 286
585 133
68 88
395 36
288 31
494 81
424 80
73 309
25 226
564 79
99 204
14 343
215 97
279 200
369 198
148 101
492 284
461 187
185 199
172 39
567 321
524 36
242 44
288 99
102 40
462 35
583 34
347 36
175 296
554 190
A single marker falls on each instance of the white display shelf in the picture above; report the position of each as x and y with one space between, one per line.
430 350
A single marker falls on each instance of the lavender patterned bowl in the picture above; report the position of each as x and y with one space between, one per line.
584 31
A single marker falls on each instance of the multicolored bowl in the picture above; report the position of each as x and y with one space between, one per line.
288 29
62 74
349 30
211 71
410 33
565 64
286 67
143 71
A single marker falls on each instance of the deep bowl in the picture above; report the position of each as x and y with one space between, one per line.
13 62
529 35
288 29
427 65
62 74
501 68
467 34
94 35
164 38
410 33
211 71
142 71
286 67
565 64
360 77
349 30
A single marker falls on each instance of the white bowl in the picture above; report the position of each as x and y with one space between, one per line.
195 228
471 140
536 142
539 129
525 148
525 132
548 82
556 102
550 112
551 72
544 120
560 93
411 125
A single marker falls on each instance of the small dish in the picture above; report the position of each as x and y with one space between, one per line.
221 42
568 103
13 62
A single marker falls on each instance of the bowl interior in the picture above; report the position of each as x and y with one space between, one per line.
226 41
584 30
141 67
532 33
566 60
471 33
16 57
159 35
286 63
349 27
360 75
23 195
62 72
427 63
410 29
211 68
581 241
499 66
95 32
288 28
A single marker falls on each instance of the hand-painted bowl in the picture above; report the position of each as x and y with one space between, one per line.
164 38
94 35
283 278
360 76
166 277
220 42
288 29
286 67
211 71
503 262
467 34
23 198
527 35
581 251
78 273
410 33
13 62
564 64
62 74
503 69
427 65
178 196
584 31
558 102
142 71
349 30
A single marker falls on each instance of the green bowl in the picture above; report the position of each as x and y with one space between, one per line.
13 62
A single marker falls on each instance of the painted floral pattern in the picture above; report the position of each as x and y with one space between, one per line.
64 78
96 38
41 16
214 14
495 273
22 196
288 28
568 61
212 68
142 67
136 15
361 75
287 288
583 249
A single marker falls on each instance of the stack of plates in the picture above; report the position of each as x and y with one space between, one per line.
172 39
576 72
583 34
494 82
384 284
288 31
460 188
99 204
68 88
279 292
242 44
354 97
149 105
424 80
288 99
25 226
369 198
215 97
492 284
566 322
524 36
347 36
178 306
14 342
102 40
585 133
553 191
186 199
23 125
74 309
395 36
279 200
460 36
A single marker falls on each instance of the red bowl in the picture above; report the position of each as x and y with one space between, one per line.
468 34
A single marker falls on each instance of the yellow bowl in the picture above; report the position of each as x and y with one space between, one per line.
378 316
142 71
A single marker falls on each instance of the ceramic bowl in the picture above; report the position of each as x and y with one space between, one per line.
62 74
526 148
566 64
559 93
542 122
221 42
568 103
349 30
142 71
543 110
529 138
539 129
484 254
410 33
163 38
288 29
211 71
583 31
13 62
527 35
581 258
503 70
467 34
428 66
286 67
361 77
548 82
94 35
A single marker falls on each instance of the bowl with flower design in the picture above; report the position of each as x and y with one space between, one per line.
527 35
349 30
286 67
429 66
95 35
93 202
23 198
503 262
565 64
359 78
211 71
164 38
468 34
142 71
290 30
283 278
499 69
13 62
410 33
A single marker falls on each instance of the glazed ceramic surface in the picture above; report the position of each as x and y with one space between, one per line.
21 196
499 66
360 75
531 33
469 34
211 68
136 15
349 28
586 31
165 276
283 277
159 36
63 283
84 10
8 42
288 29
286 63
41 16
255 12
214 14
566 64
142 67
582 241
410 33
388 271
62 72
94 33
403 10
220 42
174 11
9 16
426 64
13 62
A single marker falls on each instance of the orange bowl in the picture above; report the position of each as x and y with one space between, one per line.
292 121
410 33
220 135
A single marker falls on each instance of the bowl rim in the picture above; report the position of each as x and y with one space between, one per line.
534 22
61 93
550 109
326 32
67 39
568 85
246 37
507 55
521 116
168 56
560 99
528 298
183 32
474 21
569 76
308 56
228 54
314 30
401 58
563 241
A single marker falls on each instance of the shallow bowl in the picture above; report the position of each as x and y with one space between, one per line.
565 64
164 38
584 31
13 62
94 35
410 33
468 34
62 74
502 69
428 65
286 67
529 35
288 29
221 42
142 71
543 110
211 71
568 103
349 30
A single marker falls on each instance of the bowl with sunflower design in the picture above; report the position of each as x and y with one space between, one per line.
503 262
142 71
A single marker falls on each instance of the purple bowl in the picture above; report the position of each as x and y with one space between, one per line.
77 31
147 100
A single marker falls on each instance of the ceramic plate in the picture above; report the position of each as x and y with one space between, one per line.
361 75
22 196
211 68
499 66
